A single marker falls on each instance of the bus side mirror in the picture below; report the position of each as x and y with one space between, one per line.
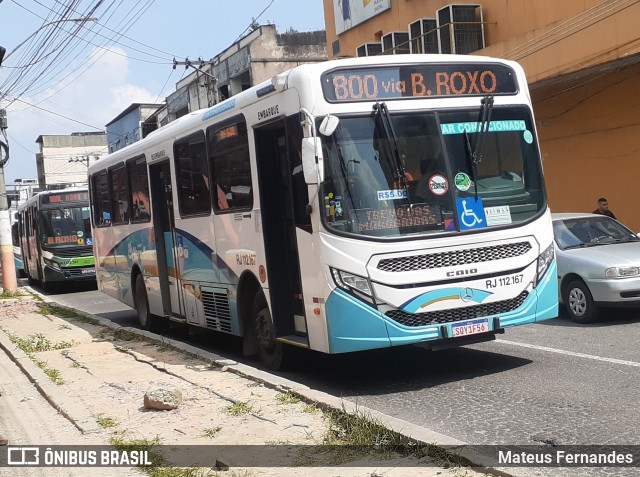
312 165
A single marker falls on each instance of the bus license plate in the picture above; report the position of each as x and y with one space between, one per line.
89 270
472 327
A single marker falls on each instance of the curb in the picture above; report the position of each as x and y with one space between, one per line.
76 413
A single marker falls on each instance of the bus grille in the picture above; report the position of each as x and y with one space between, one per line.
84 251
457 314
216 309
452 259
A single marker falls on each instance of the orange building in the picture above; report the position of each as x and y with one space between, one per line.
582 61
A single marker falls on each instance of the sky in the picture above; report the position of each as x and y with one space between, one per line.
65 77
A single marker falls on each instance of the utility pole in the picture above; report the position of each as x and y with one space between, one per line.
9 281
211 85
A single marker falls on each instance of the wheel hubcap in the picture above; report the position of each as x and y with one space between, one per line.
577 302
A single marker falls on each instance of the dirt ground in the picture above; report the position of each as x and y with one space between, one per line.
106 373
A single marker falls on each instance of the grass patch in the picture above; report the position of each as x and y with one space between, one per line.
211 432
38 343
106 422
353 436
125 335
6 294
53 374
160 467
288 398
310 408
238 408
60 312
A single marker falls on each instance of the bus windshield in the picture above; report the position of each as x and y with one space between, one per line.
65 225
405 176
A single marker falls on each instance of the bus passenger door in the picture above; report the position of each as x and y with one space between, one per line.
276 168
165 236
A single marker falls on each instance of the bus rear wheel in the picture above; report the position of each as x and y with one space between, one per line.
142 303
273 353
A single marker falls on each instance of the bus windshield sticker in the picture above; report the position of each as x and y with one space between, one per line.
500 215
528 137
471 213
392 194
438 184
494 126
400 217
463 181
417 81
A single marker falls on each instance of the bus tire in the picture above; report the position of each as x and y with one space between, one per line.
272 353
579 302
142 303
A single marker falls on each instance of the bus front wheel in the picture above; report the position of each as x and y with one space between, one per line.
142 303
272 352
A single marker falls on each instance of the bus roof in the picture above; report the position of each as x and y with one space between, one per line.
280 82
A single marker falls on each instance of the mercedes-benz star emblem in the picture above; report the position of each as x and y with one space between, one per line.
466 295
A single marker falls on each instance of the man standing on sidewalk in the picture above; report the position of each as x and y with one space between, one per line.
603 208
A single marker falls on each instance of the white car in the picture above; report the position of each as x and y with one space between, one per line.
598 264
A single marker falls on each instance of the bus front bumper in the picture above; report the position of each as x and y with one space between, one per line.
355 326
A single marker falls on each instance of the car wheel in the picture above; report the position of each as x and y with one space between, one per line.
579 302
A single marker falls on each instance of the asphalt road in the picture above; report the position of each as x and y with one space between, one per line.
554 382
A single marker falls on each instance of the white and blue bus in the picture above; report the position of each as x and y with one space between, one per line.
342 206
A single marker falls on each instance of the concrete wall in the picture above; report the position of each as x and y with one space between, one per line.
589 139
63 159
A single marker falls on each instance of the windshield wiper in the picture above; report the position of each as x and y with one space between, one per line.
474 154
67 215
578 245
399 173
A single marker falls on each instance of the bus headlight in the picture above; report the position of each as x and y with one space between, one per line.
353 284
544 260
51 263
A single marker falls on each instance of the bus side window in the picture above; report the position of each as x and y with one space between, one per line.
192 175
102 199
139 196
119 195
230 165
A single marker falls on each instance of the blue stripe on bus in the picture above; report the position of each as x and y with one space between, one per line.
201 259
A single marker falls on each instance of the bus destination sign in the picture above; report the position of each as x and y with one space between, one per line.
58 198
418 81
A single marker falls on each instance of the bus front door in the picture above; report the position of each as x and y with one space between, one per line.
280 227
165 233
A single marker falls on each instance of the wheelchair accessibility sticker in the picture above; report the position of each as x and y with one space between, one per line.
471 213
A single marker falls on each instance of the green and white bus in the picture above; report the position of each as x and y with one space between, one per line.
55 237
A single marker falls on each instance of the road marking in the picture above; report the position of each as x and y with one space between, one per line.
571 353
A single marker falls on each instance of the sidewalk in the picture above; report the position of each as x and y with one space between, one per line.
103 372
